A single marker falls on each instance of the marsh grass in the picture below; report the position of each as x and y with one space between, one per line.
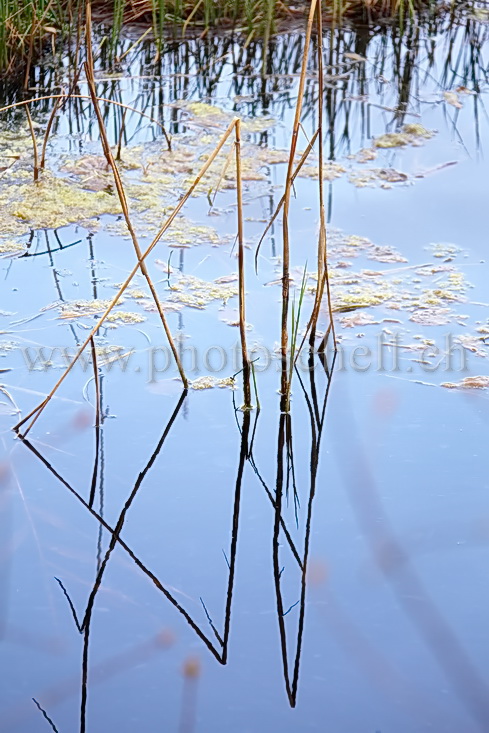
27 29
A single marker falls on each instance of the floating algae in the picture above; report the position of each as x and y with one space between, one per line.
209 116
193 292
125 317
210 382
444 250
361 296
11 246
373 177
479 382
331 171
51 203
82 308
152 176
411 134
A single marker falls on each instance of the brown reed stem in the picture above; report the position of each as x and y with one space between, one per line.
98 421
322 223
60 102
34 414
322 263
97 382
122 195
301 162
121 135
54 111
242 294
226 165
34 145
285 385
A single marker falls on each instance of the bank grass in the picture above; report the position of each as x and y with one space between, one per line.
27 29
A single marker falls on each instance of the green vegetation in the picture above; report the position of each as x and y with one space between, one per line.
29 28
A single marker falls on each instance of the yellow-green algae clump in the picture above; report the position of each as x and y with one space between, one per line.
51 203
411 134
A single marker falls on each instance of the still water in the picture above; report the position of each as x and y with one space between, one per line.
325 570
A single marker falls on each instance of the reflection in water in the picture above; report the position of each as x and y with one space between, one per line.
404 74
412 593
219 645
284 446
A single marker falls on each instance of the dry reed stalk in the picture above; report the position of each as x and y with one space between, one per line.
97 421
88 41
97 381
323 274
187 21
285 385
226 165
242 295
301 162
122 196
136 42
47 132
34 145
322 262
34 414
57 105
121 136
87 96
125 210
322 224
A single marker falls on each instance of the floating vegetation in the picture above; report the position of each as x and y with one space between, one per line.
125 317
193 292
444 250
480 382
79 189
331 171
211 382
411 134
373 177
11 246
431 316
51 203
83 308
92 308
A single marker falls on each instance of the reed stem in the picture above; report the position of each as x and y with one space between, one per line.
122 196
241 274
285 385
34 145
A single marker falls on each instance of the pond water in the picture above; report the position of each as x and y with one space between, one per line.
187 566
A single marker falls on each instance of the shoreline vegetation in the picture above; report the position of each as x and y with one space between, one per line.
41 27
